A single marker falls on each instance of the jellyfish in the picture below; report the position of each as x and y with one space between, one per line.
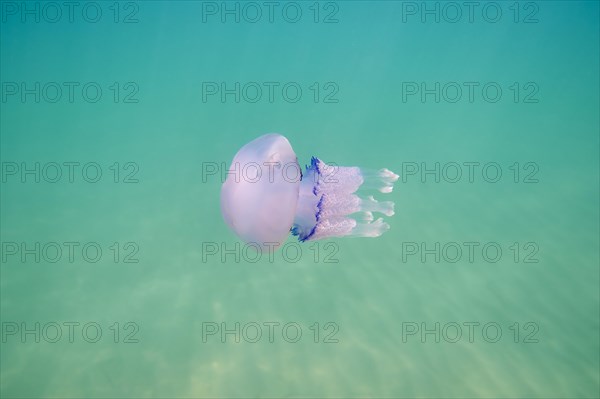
266 196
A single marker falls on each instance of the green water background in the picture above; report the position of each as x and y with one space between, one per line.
172 135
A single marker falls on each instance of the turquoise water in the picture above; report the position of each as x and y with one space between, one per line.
158 132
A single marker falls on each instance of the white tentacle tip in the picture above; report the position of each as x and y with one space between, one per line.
388 175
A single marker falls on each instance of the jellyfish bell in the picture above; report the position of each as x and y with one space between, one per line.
266 196
259 196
